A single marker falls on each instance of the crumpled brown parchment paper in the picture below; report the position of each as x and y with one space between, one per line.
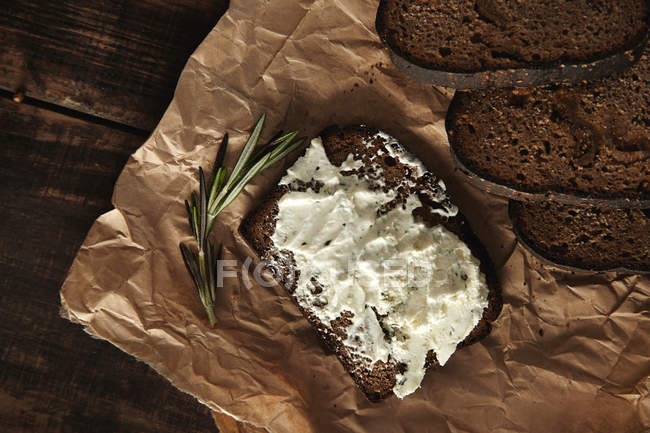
569 352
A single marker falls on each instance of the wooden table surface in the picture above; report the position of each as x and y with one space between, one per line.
82 84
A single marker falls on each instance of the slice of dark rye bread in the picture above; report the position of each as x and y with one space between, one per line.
497 43
259 227
584 237
583 143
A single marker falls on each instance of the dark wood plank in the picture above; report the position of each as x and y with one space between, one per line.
56 177
116 59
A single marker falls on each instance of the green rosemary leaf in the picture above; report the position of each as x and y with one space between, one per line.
248 176
285 141
195 217
213 184
218 162
242 160
275 157
203 210
279 138
210 262
283 144
249 147
219 178
190 215
190 263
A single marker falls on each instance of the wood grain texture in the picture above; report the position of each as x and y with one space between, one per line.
56 176
116 59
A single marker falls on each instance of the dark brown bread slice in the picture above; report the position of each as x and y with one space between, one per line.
461 43
585 237
259 227
588 142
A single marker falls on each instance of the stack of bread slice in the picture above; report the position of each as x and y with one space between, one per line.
575 159
571 151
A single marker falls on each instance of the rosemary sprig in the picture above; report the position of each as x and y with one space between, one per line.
215 195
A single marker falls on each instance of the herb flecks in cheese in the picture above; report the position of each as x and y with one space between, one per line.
411 288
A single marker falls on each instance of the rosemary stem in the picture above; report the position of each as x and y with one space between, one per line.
203 268
209 308
211 220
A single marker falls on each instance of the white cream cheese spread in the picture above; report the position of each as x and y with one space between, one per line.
411 288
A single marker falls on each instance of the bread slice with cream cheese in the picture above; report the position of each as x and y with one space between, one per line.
378 259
